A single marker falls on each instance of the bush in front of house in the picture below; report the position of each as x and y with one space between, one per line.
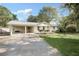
71 28
60 30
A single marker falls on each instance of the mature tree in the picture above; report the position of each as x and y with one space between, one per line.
74 13
5 16
14 17
67 24
43 18
46 14
32 18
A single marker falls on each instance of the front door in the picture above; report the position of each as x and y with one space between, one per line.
29 29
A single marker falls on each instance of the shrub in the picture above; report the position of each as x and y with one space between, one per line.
60 30
71 28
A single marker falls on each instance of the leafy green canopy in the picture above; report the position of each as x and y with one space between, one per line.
32 18
73 18
46 14
5 16
74 11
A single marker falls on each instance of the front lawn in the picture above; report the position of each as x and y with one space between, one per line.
67 44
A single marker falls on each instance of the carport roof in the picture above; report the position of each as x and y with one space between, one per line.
22 23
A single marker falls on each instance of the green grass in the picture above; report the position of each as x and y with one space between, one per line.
67 44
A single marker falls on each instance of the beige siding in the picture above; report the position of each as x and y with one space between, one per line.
19 28
36 29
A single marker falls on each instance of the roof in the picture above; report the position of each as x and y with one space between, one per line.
22 23
43 24
19 23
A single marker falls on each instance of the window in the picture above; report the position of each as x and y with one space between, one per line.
40 28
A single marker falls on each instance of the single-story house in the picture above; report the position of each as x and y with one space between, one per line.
29 27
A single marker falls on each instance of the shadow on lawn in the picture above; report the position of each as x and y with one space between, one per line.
67 46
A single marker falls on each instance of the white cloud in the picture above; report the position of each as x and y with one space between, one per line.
23 14
25 11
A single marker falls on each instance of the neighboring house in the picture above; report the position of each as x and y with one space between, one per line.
29 27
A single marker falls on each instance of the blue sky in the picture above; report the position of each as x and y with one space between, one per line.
23 10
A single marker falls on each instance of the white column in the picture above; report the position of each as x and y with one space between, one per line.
51 28
11 30
25 30
35 29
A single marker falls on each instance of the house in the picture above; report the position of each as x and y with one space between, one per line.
54 24
29 27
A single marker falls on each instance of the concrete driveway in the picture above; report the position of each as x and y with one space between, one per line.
24 45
